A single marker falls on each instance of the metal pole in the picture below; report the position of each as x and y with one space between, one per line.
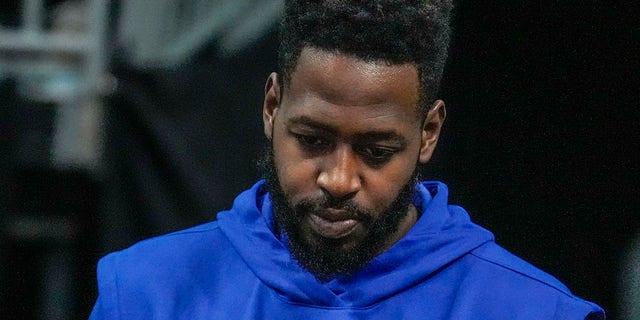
32 15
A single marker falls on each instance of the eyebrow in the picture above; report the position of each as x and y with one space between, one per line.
306 121
383 135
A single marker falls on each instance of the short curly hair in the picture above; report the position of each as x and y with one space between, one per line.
393 31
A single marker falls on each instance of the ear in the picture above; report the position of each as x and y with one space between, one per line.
271 103
431 130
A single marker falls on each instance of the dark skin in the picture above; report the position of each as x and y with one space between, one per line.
348 130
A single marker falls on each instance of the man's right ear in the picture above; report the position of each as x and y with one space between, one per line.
272 99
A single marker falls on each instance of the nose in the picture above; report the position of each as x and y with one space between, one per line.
339 176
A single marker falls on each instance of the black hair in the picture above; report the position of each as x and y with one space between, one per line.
392 31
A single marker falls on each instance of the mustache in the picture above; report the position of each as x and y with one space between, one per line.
351 208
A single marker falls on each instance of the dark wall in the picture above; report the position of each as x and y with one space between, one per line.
182 143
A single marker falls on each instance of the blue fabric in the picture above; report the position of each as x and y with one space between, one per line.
446 267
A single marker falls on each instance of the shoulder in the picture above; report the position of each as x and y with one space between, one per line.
162 252
504 261
513 281
176 245
156 269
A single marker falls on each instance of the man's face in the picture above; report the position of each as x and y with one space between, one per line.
346 140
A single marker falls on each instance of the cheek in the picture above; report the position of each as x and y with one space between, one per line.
386 185
297 175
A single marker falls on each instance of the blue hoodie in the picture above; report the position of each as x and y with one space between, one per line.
445 267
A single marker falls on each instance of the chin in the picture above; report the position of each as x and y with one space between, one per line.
343 244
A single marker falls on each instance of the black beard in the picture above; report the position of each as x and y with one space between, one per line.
327 258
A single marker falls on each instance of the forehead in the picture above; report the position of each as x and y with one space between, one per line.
333 85
352 81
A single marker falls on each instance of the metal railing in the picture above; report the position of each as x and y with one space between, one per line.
65 65
166 33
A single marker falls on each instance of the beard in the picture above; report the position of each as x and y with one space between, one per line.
327 258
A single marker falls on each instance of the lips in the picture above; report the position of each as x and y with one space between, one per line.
333 224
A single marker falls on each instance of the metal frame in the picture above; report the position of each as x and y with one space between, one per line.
30 53
24 49
166 33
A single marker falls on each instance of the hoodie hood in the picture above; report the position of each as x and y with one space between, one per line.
443 234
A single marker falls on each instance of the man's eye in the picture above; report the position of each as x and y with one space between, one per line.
312 141
377 155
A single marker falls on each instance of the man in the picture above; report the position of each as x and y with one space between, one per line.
341 228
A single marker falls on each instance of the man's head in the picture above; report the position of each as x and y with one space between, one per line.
393 31
348 129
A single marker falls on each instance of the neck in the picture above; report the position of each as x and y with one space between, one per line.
403 228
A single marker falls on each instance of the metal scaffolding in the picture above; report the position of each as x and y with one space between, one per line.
57 57
166 33
64 65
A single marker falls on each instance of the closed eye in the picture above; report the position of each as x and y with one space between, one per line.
376 155
311 142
